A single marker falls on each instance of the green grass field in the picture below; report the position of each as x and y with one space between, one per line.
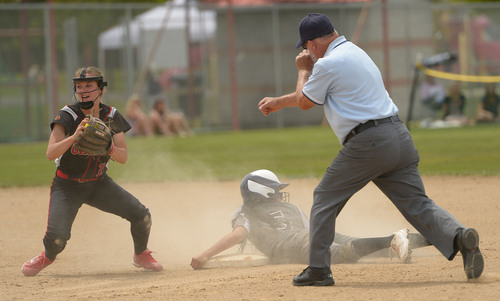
291 152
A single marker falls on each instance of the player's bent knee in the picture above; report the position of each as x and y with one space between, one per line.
143 223
54 246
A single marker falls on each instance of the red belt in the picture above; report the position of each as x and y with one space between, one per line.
64 176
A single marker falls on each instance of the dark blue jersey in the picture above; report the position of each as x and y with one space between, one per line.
74 164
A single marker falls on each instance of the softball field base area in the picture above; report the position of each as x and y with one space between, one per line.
189 217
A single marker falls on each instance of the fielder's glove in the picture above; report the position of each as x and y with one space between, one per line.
95 140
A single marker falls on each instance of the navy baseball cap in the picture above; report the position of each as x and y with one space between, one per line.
313 26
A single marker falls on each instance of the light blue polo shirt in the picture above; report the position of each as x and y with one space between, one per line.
349 85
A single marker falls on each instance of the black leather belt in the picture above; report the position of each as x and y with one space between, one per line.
370 123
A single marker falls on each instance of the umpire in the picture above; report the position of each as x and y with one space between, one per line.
377 147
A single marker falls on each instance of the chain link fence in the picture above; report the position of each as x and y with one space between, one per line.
215 63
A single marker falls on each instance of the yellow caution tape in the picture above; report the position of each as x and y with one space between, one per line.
460 77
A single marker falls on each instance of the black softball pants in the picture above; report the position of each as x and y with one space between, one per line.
67 197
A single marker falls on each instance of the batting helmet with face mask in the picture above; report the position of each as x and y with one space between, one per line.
87 105
262 186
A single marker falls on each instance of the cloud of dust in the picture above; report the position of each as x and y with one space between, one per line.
163 166
369 213
188 217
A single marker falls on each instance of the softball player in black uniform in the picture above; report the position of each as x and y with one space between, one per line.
280 230
82 179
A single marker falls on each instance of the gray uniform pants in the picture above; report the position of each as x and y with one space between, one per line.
386 155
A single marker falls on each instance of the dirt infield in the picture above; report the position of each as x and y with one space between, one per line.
188 217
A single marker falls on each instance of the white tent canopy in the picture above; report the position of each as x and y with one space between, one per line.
202 24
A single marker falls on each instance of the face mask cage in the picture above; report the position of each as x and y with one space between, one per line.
284 197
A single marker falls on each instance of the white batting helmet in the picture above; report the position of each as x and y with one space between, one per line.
262 185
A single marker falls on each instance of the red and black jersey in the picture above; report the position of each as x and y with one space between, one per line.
74 164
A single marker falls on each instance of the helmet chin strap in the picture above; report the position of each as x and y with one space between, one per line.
87 105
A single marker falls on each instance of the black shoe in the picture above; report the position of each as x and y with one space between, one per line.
314 277
468 244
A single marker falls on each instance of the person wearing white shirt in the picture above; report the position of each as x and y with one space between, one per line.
377 147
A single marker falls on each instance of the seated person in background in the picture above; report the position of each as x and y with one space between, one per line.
280 230
432 93
488 107
453 106
167 122
136 117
